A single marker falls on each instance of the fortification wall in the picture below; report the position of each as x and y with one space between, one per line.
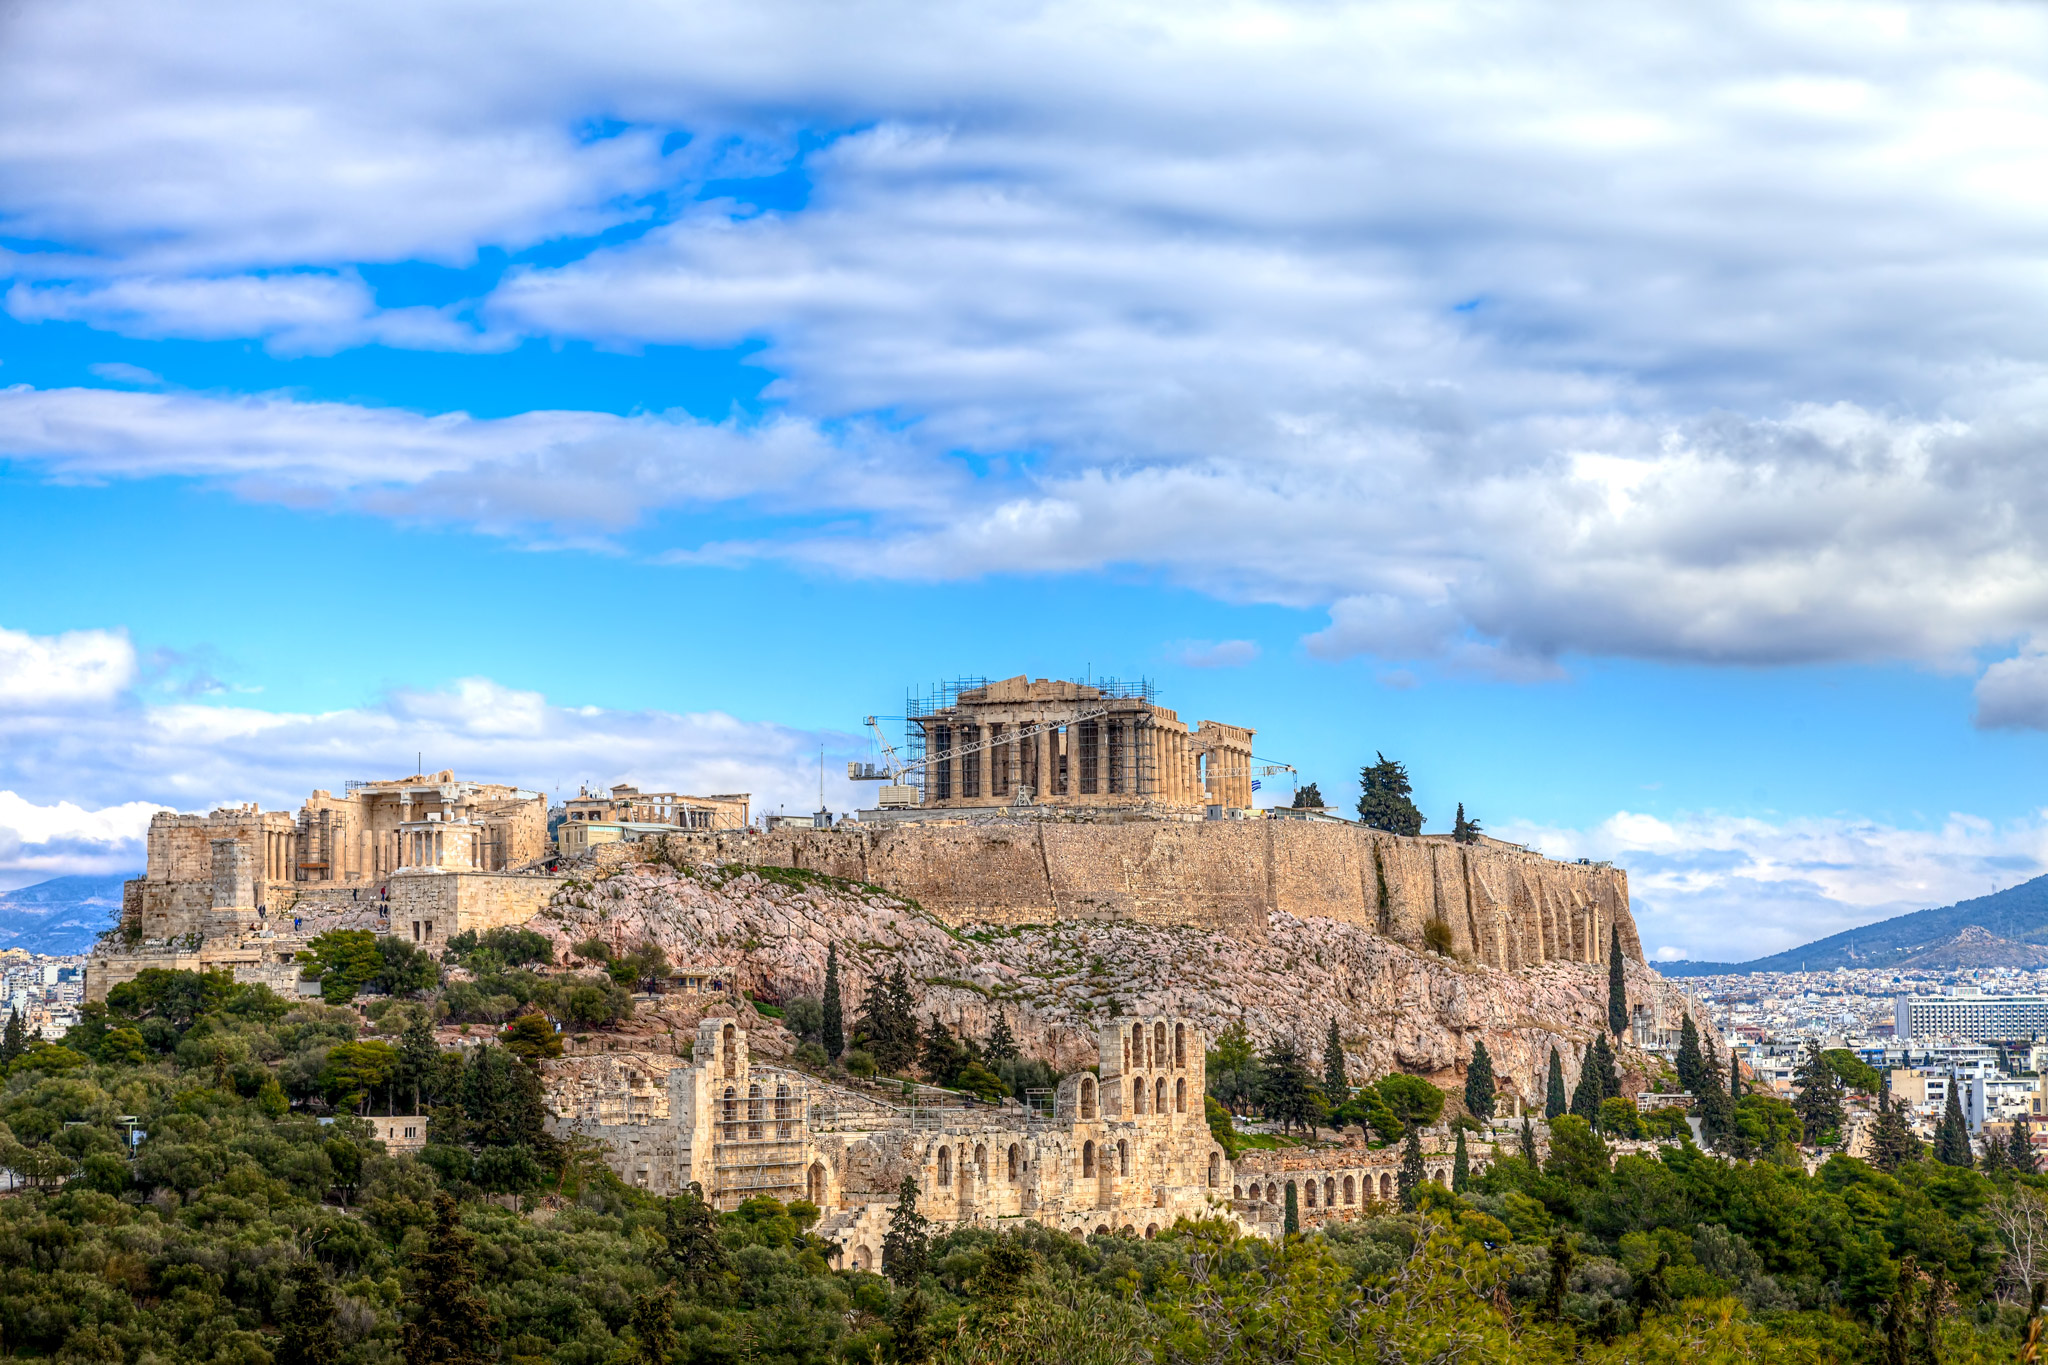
1502 906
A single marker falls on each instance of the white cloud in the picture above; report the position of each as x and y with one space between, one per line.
2013 693
1216 653
62 672
1729 889
81 772
1505 333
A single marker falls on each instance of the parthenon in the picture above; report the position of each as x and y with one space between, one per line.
1047 741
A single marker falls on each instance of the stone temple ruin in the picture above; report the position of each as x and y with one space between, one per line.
1130 1151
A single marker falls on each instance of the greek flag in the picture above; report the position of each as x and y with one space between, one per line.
1255 784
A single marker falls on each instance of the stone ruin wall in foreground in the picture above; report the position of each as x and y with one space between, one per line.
1503 907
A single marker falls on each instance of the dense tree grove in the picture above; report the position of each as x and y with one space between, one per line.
256 1221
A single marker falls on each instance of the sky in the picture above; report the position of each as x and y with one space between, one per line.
1632 420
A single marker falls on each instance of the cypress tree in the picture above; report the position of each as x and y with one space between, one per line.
417 1054
1336 1085
835 1017
1690 1063
2019 1152
1002 1044
1290 1221
1461 1166
1529 1143
1734 1077
1820 1096
695 1256
449 1323
1892 1143
1554 1102
1463 830
1479 1099
910 1328
907 1245
14 1040
1604 1069
1993 1160
1952 1138
1586 1094
654 1322
1617 986
1412 1173
309 1337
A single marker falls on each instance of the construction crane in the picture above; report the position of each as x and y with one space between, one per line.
894 770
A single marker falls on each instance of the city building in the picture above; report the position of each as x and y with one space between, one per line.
624 805
1970 1012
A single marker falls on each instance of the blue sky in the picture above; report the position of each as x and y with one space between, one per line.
1634 428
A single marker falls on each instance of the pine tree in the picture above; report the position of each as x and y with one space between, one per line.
1286 1088
1290 1218
1892 1143
449 1323
14 1040
1002 1044
1529 1143
308 1325
1952 1137
942 1057
1820 1097
1479 1098
1336 1085
1463 830
1413 1173
1461 1166
2019 1152
835 1016
888 1021
1309 797
1384 800
417 1054
1993 1160
907 1245
695 1256
1690 1063
1617 986
910 1328
1554 1102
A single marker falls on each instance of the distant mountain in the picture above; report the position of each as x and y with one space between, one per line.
63 915
2011 931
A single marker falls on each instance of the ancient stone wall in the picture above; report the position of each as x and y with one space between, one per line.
1503 907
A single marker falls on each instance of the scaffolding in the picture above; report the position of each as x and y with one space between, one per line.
760 1142
1113 748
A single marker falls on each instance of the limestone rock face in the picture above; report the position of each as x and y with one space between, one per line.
1397 1009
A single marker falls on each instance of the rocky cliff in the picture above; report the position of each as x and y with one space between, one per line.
1397 1008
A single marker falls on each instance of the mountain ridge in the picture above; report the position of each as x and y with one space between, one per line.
61 916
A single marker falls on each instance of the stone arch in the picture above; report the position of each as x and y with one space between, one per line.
1151 1231
1128 1231
732 1108
1123 1157
1014 1162
1330 1192
1088 1157
1350 1191
1102 1229
729 1051
1236 1191
1087 1097
1138 1046
1180 1046
1127 1051
1308 1194
863 1258
1159 1044
1272 1193
1138 1095
945 1165
814 1184
1386 1186
1180 1095
981 1163
1215 1169
1159 1096
753 1113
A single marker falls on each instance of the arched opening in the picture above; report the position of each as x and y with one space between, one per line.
1437 1175
1386 1187
814 1184
1014 1155
945 1166
732 1111
1308 1194
1127 1054
1330 1192
730 1051
1159 1045
1215 1169
1123 1159
1129 1231
1138 1096
1102 1229
1138 1046
863 1258
1088 1158
1159 1096
782 1112
1237 1191
1180 1046
1087 1097
1272 1193
1151 1231
1350 1191
753 1113
981 1163
1180 1096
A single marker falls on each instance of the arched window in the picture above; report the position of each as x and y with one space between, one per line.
1272 1193
732 1105
1330 1192
1087 1097
1308 1194
1159 1045
1159 1096
814 1184
1180 1046
1138 1095
1215 1170
1350 1191
1123 1158
1088 1158
1151 1231
981 1163
1013 1163
1386 1186
1138 1046
753 1113
1127 1054
1180 1095
945 1165
731 1052
1237 1191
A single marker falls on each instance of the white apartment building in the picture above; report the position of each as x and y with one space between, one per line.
1968 1012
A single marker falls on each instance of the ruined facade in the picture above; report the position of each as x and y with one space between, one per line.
1025 742
426 820
1126 1151
624 805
